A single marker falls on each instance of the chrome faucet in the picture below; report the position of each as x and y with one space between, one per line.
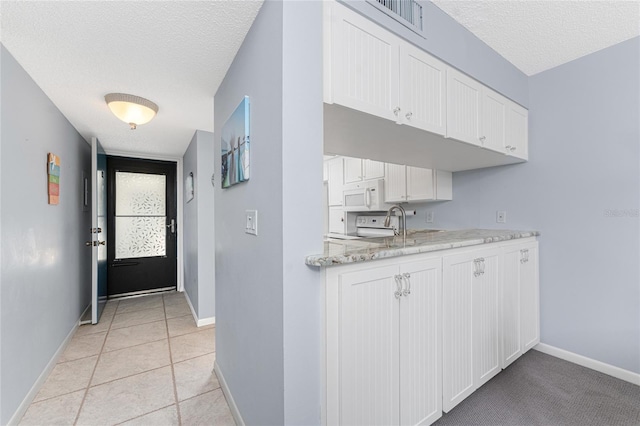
387 220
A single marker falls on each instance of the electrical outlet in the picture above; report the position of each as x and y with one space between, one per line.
251 223
429 216
501 216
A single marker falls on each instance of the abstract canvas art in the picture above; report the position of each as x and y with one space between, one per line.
53 178
235 146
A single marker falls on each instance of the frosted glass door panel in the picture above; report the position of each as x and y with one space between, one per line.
140 220
140 237
140 194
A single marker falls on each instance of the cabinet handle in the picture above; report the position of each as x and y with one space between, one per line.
407 278
507 148
482 139
513 148
409 115
476 267
524 255
396 111
398 291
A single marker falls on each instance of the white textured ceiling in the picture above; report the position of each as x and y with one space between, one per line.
174 53
538 35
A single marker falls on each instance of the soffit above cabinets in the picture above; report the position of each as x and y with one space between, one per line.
538 35
172 53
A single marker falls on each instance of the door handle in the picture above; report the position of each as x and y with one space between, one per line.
172 226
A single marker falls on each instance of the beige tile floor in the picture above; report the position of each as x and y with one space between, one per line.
145 363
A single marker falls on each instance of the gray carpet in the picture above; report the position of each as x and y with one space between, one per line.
539 389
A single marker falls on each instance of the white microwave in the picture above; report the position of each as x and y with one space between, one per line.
365 196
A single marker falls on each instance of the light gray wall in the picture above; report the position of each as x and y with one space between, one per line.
190 226
199 262
249 269
454 44
302 145
205 199
584 162
45 268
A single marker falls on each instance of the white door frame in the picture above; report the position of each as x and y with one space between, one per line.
179 195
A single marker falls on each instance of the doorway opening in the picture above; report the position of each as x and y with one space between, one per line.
141 218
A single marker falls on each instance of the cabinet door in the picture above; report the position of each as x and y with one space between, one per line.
493 123
365 64
511 339
335 179
395 184
352 170
517 133
336 220
486 317
463 107
419 184
420 347
457 326
369 348
529 297
373 169
422 90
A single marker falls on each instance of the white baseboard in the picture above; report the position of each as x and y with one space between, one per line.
227 394
611 370
199 322
206 321
24 405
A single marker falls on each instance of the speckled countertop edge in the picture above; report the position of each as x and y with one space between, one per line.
444 240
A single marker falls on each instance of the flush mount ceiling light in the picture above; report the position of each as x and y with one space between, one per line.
131 109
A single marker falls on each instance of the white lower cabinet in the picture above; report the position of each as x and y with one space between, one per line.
383 345
408 340
520 301
471 323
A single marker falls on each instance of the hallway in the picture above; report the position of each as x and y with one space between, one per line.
145 363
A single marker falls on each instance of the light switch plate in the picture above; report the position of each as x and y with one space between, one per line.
251 222
501 216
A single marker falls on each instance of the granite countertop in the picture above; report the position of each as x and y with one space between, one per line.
337 252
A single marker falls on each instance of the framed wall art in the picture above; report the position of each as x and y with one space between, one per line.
235 158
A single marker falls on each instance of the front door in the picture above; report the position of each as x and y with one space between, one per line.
142 243
98 192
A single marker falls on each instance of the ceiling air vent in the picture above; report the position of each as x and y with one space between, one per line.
407 12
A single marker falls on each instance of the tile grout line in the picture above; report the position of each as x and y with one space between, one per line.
86 391
145 414
173 373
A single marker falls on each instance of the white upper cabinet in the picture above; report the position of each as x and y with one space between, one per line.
419 184
407 184
464 100
422 90
364 64
493 123
373 169
517 133
480 116
352 170
356 170
370 70
395 183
